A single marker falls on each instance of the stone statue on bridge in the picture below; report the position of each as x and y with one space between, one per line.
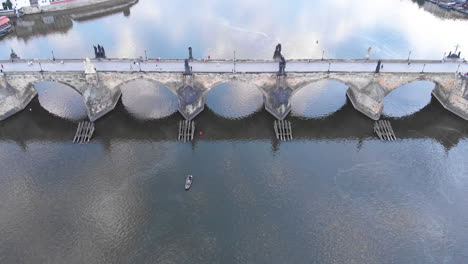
190 53
188 69
89 67
99 52
13 55
377 69
454 55
282 67
277 55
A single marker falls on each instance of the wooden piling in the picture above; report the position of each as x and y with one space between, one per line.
384 130
290 131
90 134
180 130
283 130
391 130
187 127
280 131
78 130
186 130
193 130
275 127
377 131
84 132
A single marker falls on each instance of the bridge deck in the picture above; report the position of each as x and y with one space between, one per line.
227 66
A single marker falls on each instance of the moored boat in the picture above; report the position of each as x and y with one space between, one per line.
5 25
446 5
188 182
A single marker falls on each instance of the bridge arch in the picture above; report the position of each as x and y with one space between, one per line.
144 79
63 83
318 98
408 98
235 81
391 83
234 99
60 99
146 98
335 78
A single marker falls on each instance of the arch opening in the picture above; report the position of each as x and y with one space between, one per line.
234 100
408 99
147 99
61 100
319 99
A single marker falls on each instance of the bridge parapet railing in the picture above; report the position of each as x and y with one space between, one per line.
230 60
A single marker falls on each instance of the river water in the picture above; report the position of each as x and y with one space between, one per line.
335 194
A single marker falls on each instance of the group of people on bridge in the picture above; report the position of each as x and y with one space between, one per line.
99 52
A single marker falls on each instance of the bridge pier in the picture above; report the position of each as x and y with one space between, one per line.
99 100
368 100
277 100
456 99
191 98
13 100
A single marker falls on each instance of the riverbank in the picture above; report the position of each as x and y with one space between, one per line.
457 7
75 4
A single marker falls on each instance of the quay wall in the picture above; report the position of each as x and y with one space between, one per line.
73 5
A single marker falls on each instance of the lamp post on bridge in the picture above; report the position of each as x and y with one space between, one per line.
53 56
323 53
409 55
329 65
40 66
146 55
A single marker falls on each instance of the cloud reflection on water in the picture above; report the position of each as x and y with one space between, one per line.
343 29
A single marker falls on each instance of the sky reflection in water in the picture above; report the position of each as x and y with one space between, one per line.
344 29
146 100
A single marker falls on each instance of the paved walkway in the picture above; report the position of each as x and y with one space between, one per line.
240 66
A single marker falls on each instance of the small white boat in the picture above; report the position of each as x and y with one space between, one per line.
188 182
447 5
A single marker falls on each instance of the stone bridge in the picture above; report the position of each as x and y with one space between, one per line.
100 87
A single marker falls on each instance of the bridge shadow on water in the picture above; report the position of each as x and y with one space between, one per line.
35 124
